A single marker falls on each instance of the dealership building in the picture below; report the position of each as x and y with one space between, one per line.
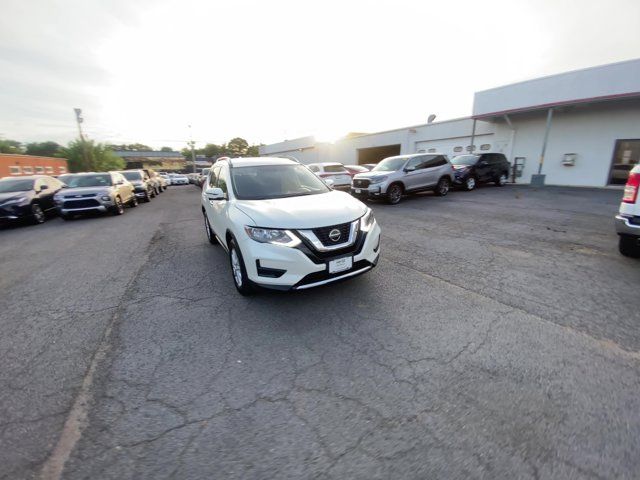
579 128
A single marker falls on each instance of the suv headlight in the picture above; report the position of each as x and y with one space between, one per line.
378 179
272 235
367 220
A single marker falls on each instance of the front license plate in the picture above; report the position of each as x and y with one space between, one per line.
340 265
358 190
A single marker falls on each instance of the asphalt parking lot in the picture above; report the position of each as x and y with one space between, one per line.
499 337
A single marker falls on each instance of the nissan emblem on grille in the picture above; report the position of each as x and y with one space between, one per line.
334 235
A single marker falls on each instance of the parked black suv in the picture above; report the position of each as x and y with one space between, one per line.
470 170
28 198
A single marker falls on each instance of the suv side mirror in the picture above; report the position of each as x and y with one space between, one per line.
409 169
214 193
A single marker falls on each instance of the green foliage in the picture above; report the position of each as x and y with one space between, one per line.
43 149
90 157
166 149
10 146
132 147
237 147
253 151
212 150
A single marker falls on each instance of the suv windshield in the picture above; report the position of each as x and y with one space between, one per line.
390 164
275 181
464 160
99 180
16 185
132 175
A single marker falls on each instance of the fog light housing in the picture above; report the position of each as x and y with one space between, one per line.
106 198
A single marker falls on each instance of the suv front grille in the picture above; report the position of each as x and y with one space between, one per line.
85 203
323 234
361 183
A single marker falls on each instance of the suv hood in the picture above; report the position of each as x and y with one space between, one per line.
370 175
67 192
310 211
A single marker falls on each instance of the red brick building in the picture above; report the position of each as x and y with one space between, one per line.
12 165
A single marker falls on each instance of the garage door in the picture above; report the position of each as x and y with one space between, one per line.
455 146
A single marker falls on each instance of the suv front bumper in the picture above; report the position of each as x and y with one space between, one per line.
376 190
290 268
98 205
628 225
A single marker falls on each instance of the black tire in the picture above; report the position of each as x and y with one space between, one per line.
152 193
66 217
629 246
394 193
501 180
118 208
470 183
207 229
146 198
37 214
443 187
133 202
238 271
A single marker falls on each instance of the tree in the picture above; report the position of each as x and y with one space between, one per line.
132 147
237 147
10 146
43 149
90 157
211 150
166 149
253 151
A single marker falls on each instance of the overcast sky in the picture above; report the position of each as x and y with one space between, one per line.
142 70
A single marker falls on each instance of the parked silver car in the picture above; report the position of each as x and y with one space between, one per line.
394 177
94 193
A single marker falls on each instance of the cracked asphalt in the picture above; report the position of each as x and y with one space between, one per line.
499 338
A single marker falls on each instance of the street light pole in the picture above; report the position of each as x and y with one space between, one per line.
79 120
192 144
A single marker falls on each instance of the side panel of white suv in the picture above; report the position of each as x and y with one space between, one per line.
283 228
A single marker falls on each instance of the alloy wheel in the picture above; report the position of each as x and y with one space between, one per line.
395 194
470 183
502 180
235 265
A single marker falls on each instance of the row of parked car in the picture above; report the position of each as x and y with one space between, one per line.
34 198
401 175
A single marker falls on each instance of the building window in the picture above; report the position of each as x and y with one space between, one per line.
15 170
48 169
62 170
485 146
432 150
457 149
471 148
39 169
27 170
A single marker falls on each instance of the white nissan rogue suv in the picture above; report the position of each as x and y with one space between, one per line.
283 227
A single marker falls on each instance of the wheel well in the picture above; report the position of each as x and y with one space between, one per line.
228 237
446 177
397 182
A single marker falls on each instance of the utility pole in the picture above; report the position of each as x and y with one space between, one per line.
192 144
79 120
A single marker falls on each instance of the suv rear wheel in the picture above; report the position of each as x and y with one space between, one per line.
239 272
470 183
501 180
37 215
629 246
394 193
443 187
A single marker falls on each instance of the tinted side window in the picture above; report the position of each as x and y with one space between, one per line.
213 176
435 161
420 162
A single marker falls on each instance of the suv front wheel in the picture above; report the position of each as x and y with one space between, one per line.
394 194
238 270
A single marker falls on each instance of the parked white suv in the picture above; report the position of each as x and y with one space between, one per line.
335 172
628 218
283 227
394 177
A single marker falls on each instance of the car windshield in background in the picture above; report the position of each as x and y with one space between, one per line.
16 185
275 181
334 168
99 180
390 164
464 160
132 175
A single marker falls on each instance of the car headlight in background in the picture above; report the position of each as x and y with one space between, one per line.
106 198
367 220
378 179
274 236
16 201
